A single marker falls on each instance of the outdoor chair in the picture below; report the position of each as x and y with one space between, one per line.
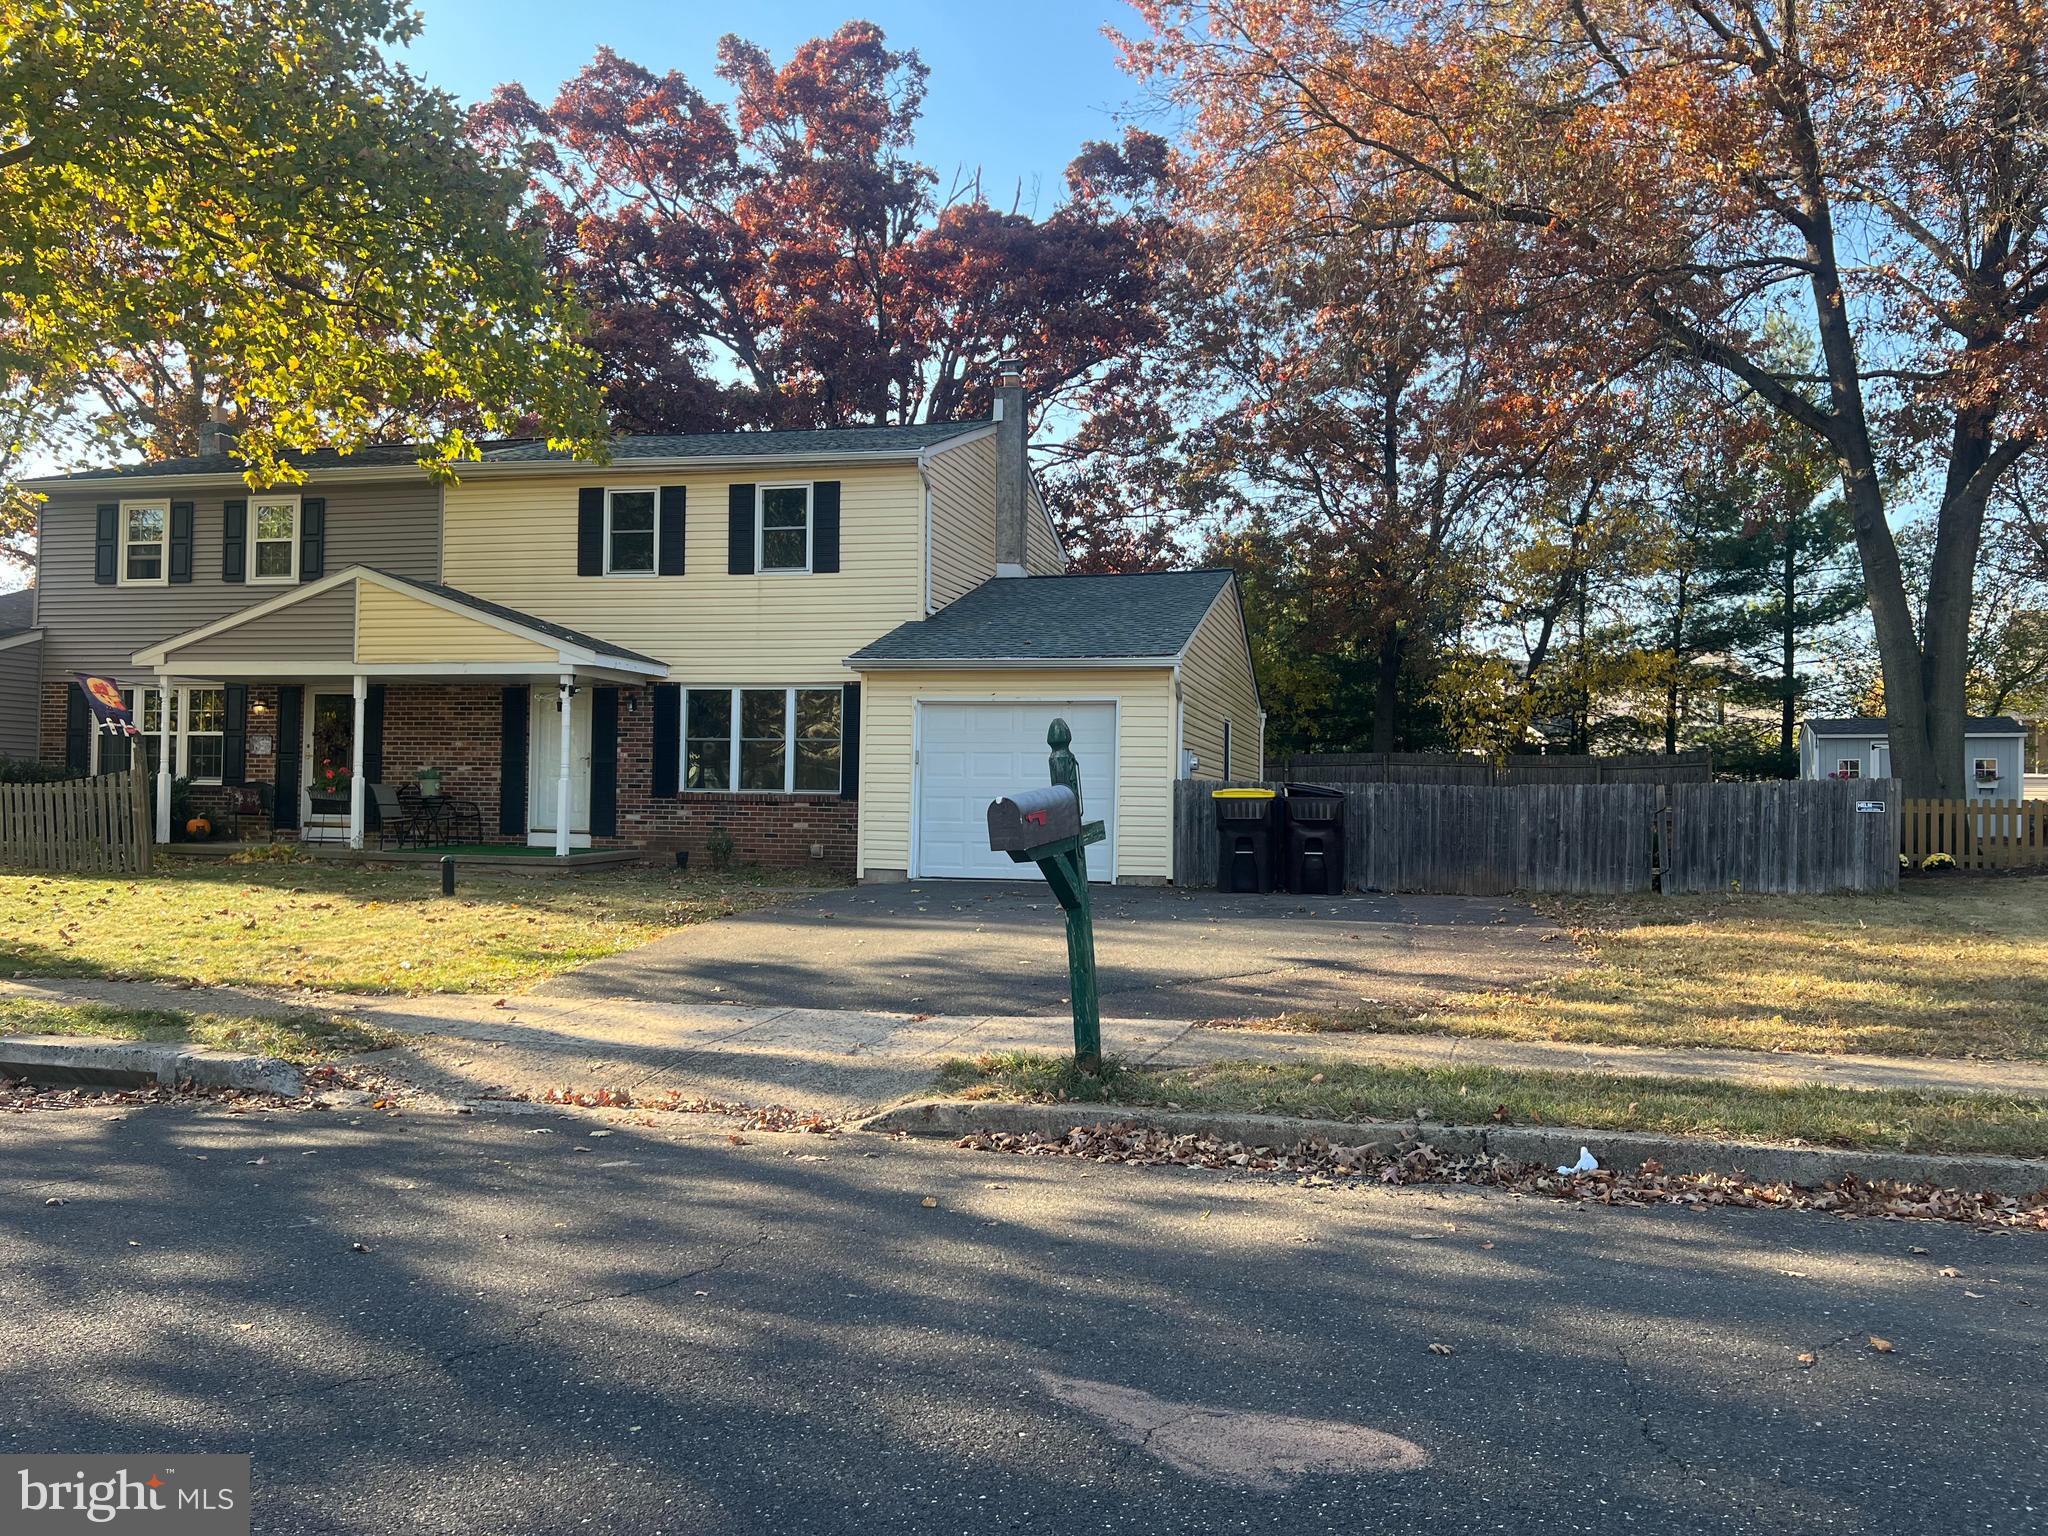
394 823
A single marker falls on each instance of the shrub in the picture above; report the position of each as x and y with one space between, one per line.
718 848
23 770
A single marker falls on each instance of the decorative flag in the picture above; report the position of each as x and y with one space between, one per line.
109 711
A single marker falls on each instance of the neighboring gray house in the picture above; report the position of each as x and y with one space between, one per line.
1994 753
21 661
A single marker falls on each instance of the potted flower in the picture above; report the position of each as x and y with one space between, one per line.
329 790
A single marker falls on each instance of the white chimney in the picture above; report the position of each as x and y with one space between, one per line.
1013 467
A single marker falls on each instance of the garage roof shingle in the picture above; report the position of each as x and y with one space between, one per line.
1058 618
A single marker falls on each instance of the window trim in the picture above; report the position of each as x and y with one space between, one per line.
653 532
163 544
1977 774
810 490
789 691
1848 768
181 727
255 544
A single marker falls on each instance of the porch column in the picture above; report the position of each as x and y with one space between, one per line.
565 695
356 791
163 763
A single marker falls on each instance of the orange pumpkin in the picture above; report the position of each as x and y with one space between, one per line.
198 826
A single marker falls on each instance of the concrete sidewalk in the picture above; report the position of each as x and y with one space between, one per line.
842 1061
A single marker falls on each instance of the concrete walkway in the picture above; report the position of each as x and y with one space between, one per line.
840 1061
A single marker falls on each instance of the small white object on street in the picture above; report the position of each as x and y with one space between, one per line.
1587 1163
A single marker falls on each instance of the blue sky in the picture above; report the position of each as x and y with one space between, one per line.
1015 88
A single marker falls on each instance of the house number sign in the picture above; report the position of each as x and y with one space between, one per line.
1870 807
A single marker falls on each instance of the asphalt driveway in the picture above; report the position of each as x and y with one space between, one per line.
973 948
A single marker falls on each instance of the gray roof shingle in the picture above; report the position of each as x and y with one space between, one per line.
1875 725
17 610
893 441
1058 618
500 611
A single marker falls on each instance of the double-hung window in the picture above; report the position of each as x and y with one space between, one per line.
199 718
203 740
145 539
781 740
274 530
782 528
629 533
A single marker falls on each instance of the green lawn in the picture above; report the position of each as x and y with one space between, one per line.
1944 968
353 929
302 1037
1336 1090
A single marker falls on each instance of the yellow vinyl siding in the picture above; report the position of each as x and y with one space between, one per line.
514 542
1145 753
1042 553
963 491
392 627
1216 685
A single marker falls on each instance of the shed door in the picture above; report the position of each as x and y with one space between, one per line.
970 754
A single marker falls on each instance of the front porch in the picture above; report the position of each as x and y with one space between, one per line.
365 714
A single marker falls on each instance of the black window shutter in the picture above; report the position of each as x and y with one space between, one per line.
312 538
849 741
825 527
512 763
673 500
77 732
739 530
181 541
284 812
106 544
590 531
234 541
668 739
604 762
373 752
234 738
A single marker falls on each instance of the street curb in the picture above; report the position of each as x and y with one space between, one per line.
133 1063
1546 1146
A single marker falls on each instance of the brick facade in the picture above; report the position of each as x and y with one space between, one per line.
455 727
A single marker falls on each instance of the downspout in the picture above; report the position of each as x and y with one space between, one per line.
924 553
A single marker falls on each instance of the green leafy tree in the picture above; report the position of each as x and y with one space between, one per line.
252 198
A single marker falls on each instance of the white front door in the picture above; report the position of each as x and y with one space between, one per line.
545 776
971 753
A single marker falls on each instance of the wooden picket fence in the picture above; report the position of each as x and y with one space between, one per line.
1977 834
98 826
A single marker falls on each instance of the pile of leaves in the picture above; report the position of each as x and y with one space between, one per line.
18 1096
1320 1164
756 1117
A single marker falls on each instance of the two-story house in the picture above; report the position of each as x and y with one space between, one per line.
834 645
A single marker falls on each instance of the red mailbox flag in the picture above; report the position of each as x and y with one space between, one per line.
110 711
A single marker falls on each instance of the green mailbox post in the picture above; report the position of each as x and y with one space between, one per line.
1044 827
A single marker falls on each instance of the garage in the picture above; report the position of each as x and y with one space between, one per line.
969 752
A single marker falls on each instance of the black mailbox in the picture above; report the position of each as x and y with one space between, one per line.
1033 818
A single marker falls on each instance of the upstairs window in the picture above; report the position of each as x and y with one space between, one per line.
274 524
783 528
629 533
145 530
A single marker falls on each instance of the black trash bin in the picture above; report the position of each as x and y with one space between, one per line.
1247 839
1315 840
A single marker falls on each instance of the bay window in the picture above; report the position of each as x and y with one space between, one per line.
777 740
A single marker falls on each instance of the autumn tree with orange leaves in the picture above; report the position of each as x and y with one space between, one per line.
1668 176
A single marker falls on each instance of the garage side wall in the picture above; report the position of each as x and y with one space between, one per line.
1217 686
1146 752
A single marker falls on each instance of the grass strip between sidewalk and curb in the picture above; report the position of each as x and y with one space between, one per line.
303 1038
1889 1120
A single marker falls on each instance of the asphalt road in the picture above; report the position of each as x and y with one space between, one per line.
658 1330
964 948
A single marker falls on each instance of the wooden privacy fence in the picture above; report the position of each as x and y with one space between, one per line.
1977 834
1695 767
1593 839
78 826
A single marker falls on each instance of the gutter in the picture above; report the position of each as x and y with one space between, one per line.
999 663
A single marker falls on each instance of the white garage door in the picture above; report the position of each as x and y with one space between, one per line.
970 754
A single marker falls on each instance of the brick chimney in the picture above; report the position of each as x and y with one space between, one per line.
1013 467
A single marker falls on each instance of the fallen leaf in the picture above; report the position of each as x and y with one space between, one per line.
929 1201
1949 1272
1441 1349
1882 1346
1808 1358
358 1247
